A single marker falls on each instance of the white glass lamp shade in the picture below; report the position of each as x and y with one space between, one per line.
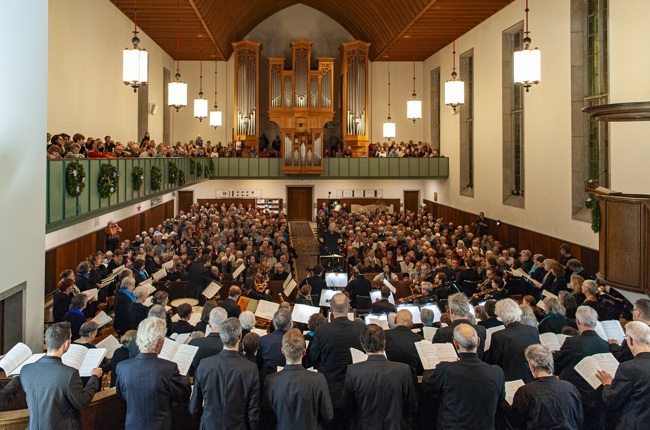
414 109
215 118
135 67
528 67
177 94
389 130
200 108
454 93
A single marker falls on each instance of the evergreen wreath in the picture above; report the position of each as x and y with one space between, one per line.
181 178
192 166
172 174
107 181
211 166
206 169
138 177
594 205
75 178
156 178
199 169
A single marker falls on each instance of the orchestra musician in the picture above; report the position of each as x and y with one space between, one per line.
304 296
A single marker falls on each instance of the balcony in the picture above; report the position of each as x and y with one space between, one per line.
64 210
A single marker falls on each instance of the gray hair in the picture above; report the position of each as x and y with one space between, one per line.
391 319
553 305
88 328
591 286
282 320
508 310
127 282
56 335
639 332
540 357
426 315
643 306
140 292
587 317
247 320
217 316
528 316
465 342
458 304
157 311
230 331
150 332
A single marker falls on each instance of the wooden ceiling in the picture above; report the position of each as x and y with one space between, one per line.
395 28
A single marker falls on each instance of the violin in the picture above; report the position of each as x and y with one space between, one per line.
484 293
411 298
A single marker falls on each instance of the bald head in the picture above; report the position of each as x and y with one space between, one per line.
404 318
465 338
340 305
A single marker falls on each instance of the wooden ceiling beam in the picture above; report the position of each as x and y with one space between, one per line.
206 28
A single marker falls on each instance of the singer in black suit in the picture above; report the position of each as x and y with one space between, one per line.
309 404
575 349
329 352
378 394
227 386
460 387
150 385
508 345
458 311
384 306
211 344
54 391
315 281
269 354
400 343
358 286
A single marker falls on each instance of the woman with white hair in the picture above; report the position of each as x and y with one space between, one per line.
247 320
507 346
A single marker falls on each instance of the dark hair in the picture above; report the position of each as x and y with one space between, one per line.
184 310
489 308
315 320
497 280
56 335
250 342
65 283
385 291
373 338
207 307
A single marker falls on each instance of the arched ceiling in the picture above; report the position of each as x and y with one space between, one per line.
396 29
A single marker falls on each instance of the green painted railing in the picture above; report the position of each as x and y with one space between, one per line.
64 210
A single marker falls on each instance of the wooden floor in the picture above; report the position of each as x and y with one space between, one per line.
304 241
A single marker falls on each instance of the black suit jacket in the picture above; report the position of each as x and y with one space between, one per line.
629 393
208 346
490 322
182 327
359 286
122 308
231 308
299 398
329 352
400 347
198 278
150 385
507 350
316 283
446 334
467 392
573 350
137 313
269 354
383 307
380 392
55 394
226 392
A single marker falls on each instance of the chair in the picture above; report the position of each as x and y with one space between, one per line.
364 305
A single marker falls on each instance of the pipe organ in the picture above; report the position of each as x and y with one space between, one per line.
247 89
301 104
356 110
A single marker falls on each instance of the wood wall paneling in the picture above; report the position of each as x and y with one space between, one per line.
185 200
299 204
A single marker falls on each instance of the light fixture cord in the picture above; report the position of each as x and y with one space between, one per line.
215 84
201 72
454 44
389 90
178 39
527 32
135 19
413 62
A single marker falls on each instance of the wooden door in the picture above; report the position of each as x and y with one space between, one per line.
411 200
299 203
185 200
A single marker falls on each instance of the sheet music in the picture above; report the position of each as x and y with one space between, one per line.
238 271
428 355
326 296
286 281
511 389
92 360
148 302
588 366
358 356
266 309
208 330
118 269
160 274
600 330
542 306
390 286
74 356
107 280
146 282
111 344
561 338
195 318
168 350
211 290
291 285
414 310
252 305
91 293
260 332
301 313
33 359
613 330
550 341
102 319
548 294
429 332
351 316
520 273
383 323
375 295
182 338
490 332
168 265
150 288
16 355
183 358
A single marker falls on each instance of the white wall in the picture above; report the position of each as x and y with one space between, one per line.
22 165
401 89
85 92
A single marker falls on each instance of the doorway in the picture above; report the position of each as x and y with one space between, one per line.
411 200
185 200
299 203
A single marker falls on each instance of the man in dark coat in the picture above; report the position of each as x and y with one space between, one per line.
211 344
400 343
378 393
150 385
459 387
54 391
269 355
309 404
459 311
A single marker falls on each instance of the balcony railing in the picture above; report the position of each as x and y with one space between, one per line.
64 210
